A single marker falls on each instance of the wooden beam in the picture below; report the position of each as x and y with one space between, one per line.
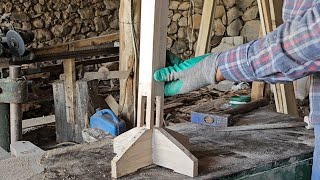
77 44
205 32
128 58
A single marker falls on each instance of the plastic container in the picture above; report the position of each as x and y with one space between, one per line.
107 121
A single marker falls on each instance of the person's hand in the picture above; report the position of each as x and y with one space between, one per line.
186 76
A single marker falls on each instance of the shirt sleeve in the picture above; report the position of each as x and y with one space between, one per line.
294 8
286 54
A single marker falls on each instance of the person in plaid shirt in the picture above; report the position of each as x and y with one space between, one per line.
289 53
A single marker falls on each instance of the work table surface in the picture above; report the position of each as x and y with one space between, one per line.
220 154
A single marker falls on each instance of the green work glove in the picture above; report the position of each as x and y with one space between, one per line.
185 76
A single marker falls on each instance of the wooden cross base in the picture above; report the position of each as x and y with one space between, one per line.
141 147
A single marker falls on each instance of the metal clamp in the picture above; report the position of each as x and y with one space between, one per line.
13 90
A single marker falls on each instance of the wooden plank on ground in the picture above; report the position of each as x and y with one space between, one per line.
206 27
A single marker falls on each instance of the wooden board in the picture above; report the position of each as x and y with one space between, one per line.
205 32
77 44
128 58
120 142
40 121
70 85
113 105
64 131
258 88
107 75
137 154
87 102
170 153
271 11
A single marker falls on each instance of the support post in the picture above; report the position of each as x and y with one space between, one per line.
70 86
205 32
129 24
15 110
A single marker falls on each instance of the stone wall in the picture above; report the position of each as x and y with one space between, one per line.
233 18
58 21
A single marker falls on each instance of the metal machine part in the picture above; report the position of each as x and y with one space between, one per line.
15 43
15 107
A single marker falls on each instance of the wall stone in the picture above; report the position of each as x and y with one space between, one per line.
233 18
58 21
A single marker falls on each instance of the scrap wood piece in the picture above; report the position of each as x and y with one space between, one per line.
40 121
113 105
37 76
29 106
107 75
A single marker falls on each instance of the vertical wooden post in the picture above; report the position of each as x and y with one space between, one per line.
205 32
70 86
128 61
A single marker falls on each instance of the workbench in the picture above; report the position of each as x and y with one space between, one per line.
260 154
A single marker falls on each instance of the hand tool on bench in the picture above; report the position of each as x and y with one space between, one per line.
225 118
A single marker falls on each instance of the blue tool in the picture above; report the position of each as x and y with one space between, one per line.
107 121
225 118
211 119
